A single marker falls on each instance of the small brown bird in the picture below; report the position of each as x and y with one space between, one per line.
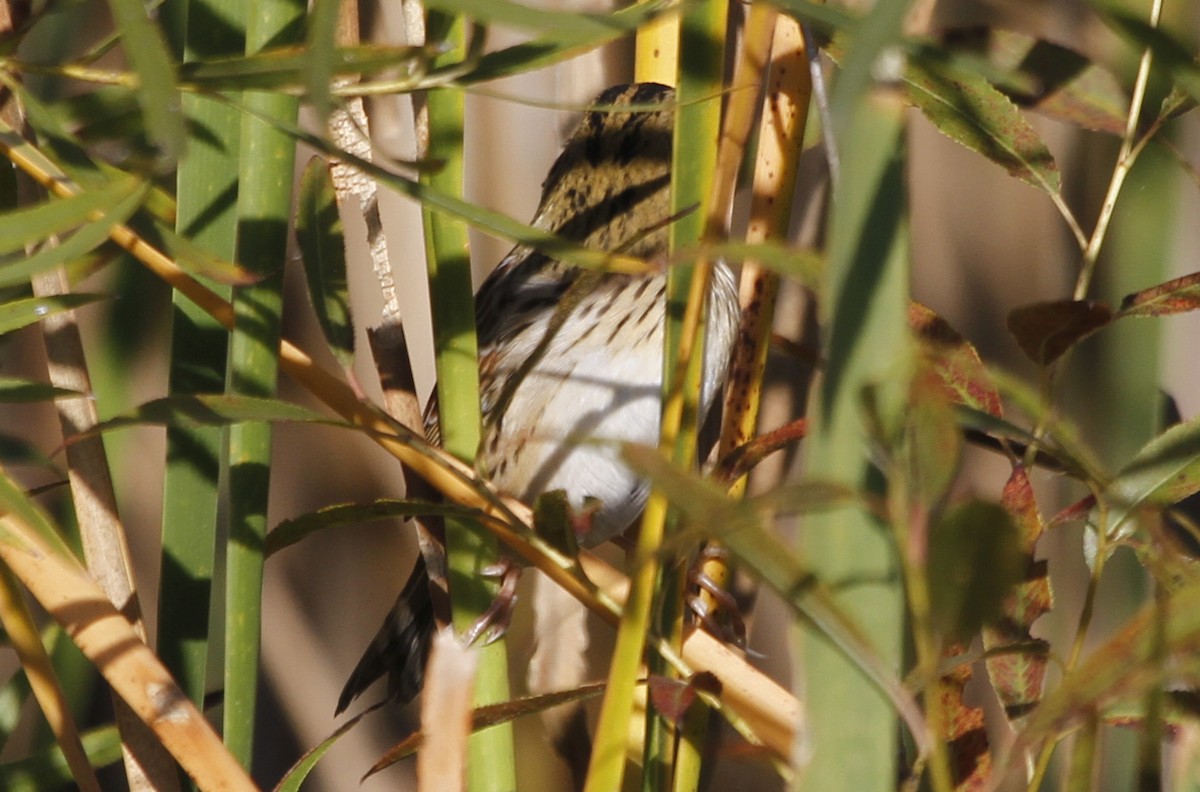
571 360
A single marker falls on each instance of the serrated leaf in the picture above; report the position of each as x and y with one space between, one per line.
147 52
1066 85
974 561
964 377
22 391
1175 296
1046 330
966 733
1018 677
289 532
1165 471
21 313
1123 667
323 249
966 108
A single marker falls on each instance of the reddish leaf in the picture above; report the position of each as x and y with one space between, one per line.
1046 330
1017 677
963 375
966 733
1174 296
1064 84
672 698
1073 513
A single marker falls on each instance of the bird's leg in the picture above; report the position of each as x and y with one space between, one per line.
721 618
493 622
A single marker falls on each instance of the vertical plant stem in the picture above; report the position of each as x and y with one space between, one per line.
491 764
206 203
853 726
1125 159
264 205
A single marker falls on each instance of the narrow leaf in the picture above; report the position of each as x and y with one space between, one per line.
1175 296
1018 677
22 228
212 410
323 248
147 52
88 238
1169 53
289 532
288 69
967 109
20 313
47 769
20 391
1046 330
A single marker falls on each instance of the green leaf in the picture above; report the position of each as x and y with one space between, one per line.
48 769
20 313
295 776
213 410
20 391
1166 470
1175 296
146 50
932 440
974 560
323 249
966 108
1046 330
289 69
24 227
1123 667
87 239
319 66
289 532
1169 53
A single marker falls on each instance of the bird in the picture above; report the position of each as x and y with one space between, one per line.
571 359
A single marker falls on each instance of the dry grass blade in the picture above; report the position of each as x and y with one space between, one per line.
23 635
74 600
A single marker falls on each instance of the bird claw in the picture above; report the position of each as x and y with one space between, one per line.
493 623
730 627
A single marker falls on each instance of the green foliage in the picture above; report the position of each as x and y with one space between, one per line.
903 560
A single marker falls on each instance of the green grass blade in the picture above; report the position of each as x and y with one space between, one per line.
206 190
264 206
323 249
866 343
146 49
491 753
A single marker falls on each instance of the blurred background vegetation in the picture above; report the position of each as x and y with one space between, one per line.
982 244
